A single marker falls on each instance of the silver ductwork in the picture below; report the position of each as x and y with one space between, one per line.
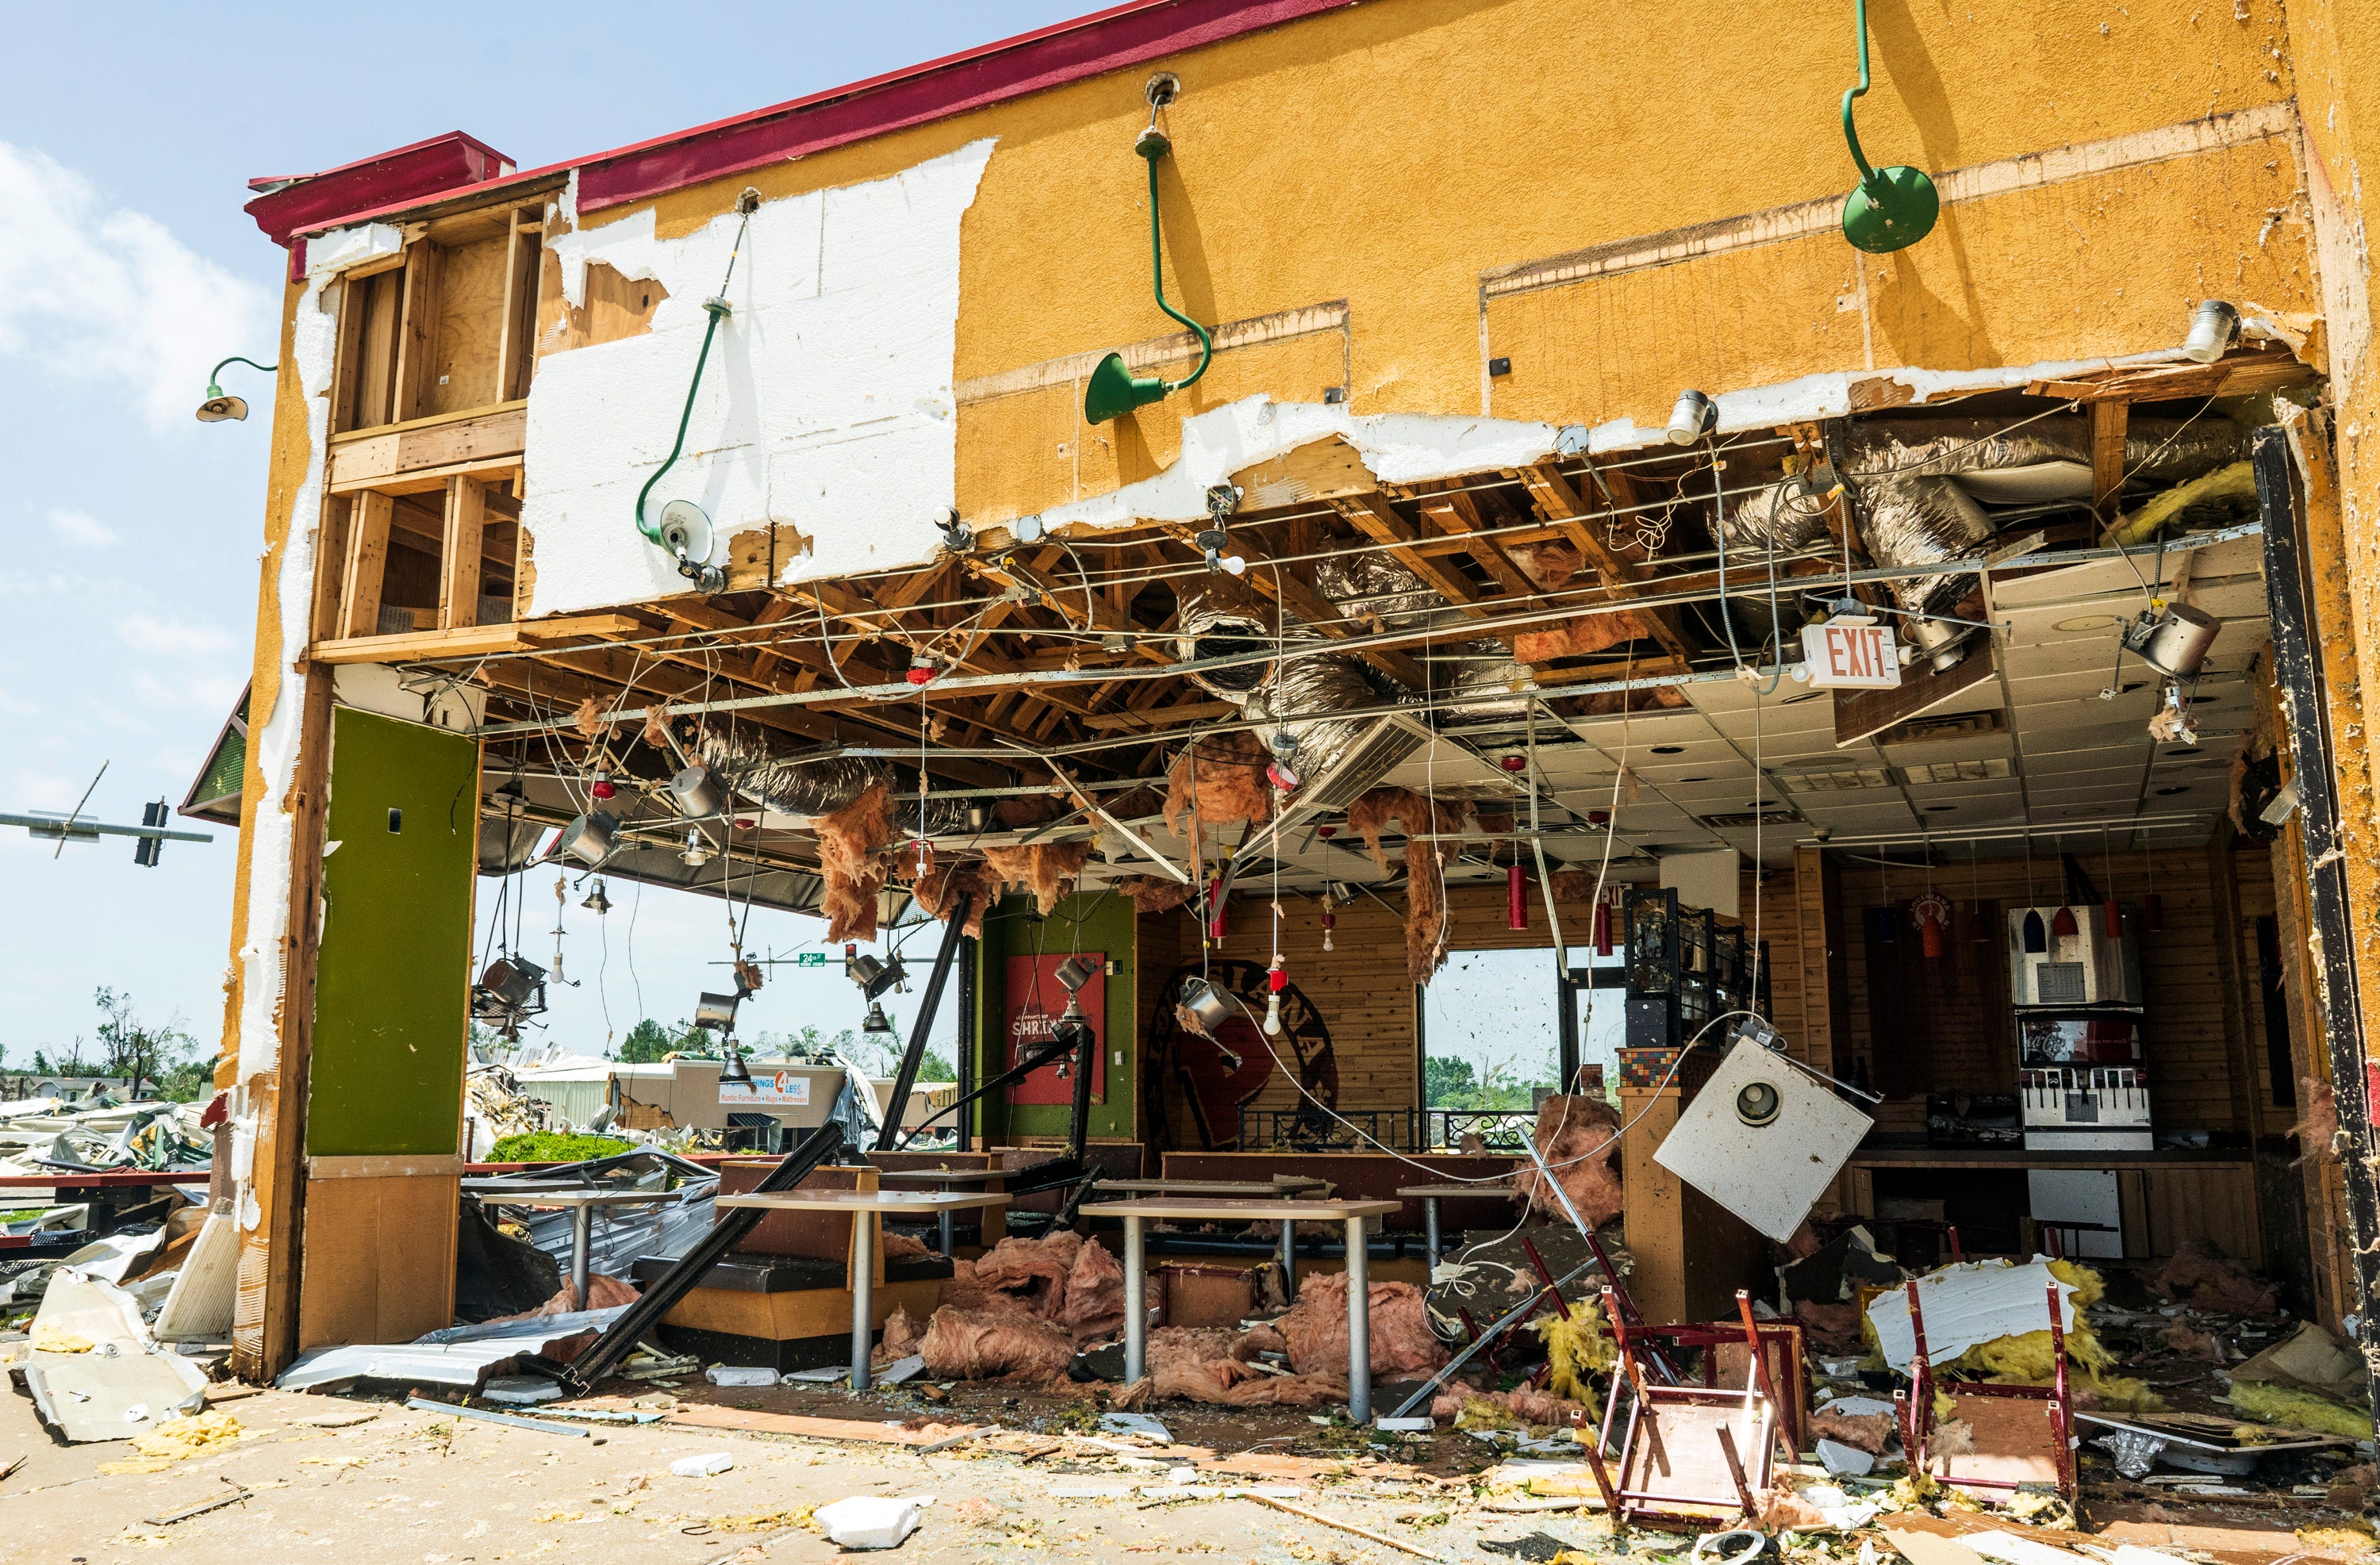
1918 489
779 773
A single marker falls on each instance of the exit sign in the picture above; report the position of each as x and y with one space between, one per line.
1839 652
810 959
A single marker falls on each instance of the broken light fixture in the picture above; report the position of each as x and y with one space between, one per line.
2213 327
697 852
1892 208
1114 390
876 1022
1690 418
696 793
2174 642
588 838
682 529
733 1071
596 899
219 405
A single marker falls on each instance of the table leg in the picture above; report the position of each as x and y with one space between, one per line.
1430 1227
1359 1325
863 1296
1136 1300
582 1220
1289 1259
949 1241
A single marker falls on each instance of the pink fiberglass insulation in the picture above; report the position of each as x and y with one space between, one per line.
1094 1301
1403 1346
973 1345
1579 1138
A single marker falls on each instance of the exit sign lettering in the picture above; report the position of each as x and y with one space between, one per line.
1856 655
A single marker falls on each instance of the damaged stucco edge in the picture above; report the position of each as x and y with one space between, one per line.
288 727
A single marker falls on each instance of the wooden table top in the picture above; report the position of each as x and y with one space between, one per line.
948 1176
1254 1211
863 1201
1277 1190
1453 1191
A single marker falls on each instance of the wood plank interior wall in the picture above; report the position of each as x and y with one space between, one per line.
1965 1041
1368 1002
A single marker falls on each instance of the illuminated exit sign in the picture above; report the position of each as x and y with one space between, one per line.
1843 652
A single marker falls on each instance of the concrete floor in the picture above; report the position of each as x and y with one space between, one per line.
426 1488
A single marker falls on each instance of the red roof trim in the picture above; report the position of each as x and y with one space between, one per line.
1033 62
403 176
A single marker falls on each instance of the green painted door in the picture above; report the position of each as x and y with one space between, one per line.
392 991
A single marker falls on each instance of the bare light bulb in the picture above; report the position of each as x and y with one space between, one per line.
1272 1014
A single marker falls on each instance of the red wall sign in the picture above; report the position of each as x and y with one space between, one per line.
1035 1000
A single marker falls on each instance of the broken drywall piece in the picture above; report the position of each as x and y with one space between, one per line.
199 1306
1969 1305
1397 448
1763 1139
827 400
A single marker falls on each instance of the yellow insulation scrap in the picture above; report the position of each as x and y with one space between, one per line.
2344 1542
2271 1403
178 1439
1479 1412
1576 1345
58 1340
2025 1359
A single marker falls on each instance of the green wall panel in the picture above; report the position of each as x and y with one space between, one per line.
1103 923
392 992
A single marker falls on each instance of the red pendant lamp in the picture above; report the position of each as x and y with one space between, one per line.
2065 926
2113 915
1516 897
1602 927
1979 925
2153 913
1218 908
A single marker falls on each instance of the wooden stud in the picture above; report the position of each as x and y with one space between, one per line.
1458 515
1255 586
367 564
460 557
330 568
523 268
1556 500
378 303
2109 422
417 332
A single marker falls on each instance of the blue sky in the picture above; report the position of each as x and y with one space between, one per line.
126 267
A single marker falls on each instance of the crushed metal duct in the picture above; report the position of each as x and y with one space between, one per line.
778 773
1916 490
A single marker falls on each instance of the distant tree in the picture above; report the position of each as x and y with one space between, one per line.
134 1049
188 1081
1451 1081
648 1042
934 1068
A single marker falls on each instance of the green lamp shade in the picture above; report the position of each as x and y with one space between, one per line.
1114 390
1892 210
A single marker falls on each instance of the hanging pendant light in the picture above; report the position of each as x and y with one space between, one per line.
1276 980
1329 922
1602 927
2153 913
876 1022
731 1070
1887 919
2065 926
1929 934
1932 912
1217 909
1516 897
2113 915
2036 934
1979 925
596 899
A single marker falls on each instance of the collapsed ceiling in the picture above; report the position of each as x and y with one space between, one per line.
1566 645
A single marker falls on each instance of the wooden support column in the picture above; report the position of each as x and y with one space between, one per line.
2240 1049
366 564
458 560
330 568
264 1311
417 331
1818 898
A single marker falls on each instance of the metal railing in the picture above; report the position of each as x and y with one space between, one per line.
1309 1129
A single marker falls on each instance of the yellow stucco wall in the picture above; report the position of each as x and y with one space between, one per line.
1390 155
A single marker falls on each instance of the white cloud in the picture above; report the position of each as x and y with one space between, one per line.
82 530
111 296
147 632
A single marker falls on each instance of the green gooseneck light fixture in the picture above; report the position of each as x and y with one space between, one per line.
1112 390
218 407
1893 208
682 529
